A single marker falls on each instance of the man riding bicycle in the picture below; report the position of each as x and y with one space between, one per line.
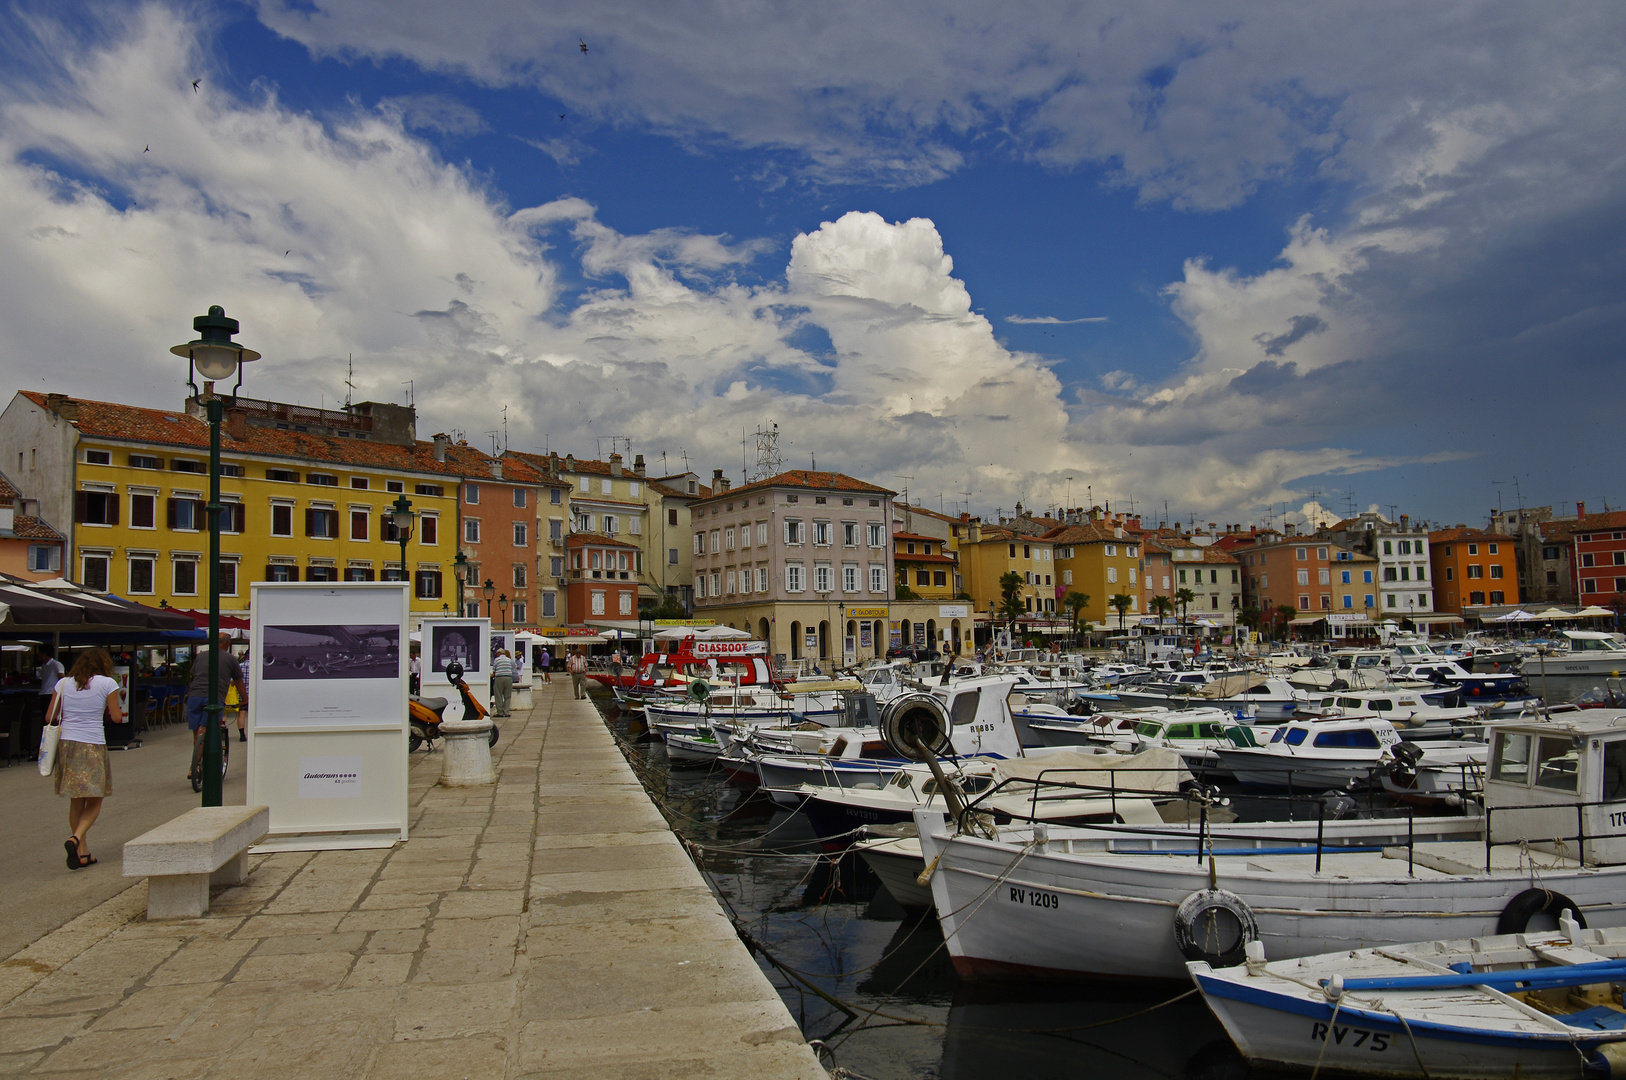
230 673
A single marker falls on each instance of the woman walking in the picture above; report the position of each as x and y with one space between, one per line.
83 774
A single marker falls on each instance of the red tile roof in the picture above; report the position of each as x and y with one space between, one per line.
131 423
1088 532
8 492
811 480
1465 532
33 528
1563 531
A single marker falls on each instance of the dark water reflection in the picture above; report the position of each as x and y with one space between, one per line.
829 922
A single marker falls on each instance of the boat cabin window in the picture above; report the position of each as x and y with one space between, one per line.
1614 771
1511 758
1151 729
1181 731
964 708
1358 739
1382 705
1295 736
1349 703
1212 730
1557 760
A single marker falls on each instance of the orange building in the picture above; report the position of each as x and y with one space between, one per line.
1472 568
29 548
602 578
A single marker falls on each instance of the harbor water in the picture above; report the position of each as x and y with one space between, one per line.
874 984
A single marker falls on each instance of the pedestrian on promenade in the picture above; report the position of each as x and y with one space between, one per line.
546 661
502 682
415 672
48 672
82 773
230 674
577 666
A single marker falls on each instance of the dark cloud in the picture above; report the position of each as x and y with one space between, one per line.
1299 327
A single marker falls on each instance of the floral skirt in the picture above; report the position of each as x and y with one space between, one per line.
82 770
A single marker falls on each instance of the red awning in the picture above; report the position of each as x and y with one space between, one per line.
235 625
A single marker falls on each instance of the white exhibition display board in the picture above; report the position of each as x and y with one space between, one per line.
327 717
469 642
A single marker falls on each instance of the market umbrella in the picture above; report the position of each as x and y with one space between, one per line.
1594 612
1556 613
28 607
722 633
1516 615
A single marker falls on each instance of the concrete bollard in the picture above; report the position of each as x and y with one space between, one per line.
466 753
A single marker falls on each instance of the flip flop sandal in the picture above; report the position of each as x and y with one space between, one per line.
88 860
72 847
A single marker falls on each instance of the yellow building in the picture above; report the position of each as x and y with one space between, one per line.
1099 559
924 566
988 552
307 496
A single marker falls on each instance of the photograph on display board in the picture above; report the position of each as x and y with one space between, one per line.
459 643
501 639
330 651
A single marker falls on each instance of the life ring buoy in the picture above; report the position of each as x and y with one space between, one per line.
916 717
1202 930
1527 905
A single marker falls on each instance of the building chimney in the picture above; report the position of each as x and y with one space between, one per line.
495 465
1580 509
1405 522
62 406
638 464
717 481
570 463
615 465
442 441
973 531
237 423
553 464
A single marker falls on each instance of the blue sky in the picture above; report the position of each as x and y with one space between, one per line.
1228 257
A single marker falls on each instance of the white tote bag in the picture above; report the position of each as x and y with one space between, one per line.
51 735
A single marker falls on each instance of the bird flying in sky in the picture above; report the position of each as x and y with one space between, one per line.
195 85
582 43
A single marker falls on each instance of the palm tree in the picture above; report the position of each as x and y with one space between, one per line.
1184 597
1284 614
1121 603
1160 606
1075 602
1010 602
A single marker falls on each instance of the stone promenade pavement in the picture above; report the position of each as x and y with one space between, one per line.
550 926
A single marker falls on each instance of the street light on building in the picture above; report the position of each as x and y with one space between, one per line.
215 357
403 517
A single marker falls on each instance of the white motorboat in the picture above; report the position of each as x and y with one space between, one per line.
1055 786
1525 1005
1414 717
1060 901
1591 652
1333 751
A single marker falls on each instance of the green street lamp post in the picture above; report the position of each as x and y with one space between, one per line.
215 357
403 517
488 590
502 604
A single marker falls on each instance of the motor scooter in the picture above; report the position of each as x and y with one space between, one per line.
424 714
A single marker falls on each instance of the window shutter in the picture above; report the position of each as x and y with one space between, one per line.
113 509
171 515
81 506
270 572
239 517
310 522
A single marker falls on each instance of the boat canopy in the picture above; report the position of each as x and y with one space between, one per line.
1158 768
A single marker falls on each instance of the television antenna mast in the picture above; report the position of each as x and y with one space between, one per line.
769 463
350 382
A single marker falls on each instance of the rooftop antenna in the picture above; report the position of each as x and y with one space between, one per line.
412 398
663 462
1069 493
967 495
504 427
813 460
685 454
905 480
493 433
349 382
1394 511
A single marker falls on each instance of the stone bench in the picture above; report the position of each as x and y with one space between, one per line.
184 856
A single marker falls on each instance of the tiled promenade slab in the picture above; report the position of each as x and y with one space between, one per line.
550 926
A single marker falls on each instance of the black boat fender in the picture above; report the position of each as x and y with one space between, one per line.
1532 902
1200 927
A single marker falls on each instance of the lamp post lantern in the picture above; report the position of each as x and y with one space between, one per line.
460 569
216 357
502 603
403 517
488 590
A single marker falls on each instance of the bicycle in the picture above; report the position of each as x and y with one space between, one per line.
196 775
